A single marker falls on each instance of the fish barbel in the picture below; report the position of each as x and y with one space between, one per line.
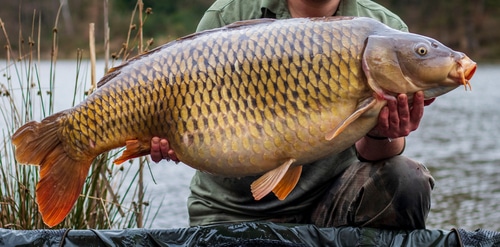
255 97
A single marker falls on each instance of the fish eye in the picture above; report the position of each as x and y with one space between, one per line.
421 50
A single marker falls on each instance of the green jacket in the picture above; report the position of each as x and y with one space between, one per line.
224 12
217 199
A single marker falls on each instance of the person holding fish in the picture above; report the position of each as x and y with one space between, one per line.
314 110
369 184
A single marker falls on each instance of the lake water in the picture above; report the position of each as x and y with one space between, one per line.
458 140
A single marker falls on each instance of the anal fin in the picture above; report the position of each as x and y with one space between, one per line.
267 182
288 182
133 149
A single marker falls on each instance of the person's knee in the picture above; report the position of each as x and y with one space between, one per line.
399 194
412 192
393 193
409 175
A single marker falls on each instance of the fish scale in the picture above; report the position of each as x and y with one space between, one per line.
255 97
252 68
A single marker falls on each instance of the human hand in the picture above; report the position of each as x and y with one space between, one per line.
160 149
398 118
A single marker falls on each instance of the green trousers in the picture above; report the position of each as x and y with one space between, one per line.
392 194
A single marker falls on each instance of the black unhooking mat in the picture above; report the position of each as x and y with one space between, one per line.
249 234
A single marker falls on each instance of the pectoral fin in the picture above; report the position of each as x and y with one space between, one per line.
133 149
281 180
364 106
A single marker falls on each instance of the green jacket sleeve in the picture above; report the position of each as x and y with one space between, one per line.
210 20
224 12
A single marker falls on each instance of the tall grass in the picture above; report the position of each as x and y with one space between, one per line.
112 197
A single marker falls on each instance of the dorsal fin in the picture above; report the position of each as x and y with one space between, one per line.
113 72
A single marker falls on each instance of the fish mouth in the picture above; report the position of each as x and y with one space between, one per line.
464 72
460 75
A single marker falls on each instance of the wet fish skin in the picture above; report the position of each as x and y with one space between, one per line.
254 97
204 101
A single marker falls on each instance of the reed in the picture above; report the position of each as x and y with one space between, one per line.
113 196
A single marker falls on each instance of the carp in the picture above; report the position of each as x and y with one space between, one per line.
254 97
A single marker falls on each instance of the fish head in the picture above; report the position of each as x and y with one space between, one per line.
407 63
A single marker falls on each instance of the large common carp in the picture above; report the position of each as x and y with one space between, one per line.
254 97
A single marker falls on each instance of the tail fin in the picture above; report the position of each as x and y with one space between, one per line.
61 177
